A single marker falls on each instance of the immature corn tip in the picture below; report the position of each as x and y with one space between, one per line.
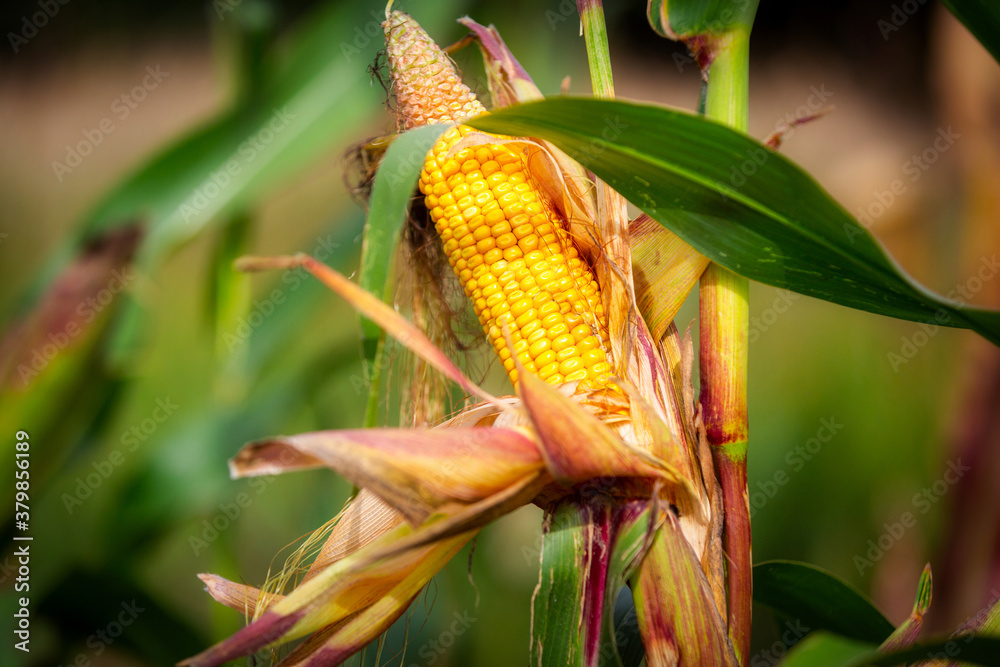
427 86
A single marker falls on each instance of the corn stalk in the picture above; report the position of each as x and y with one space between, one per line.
724 322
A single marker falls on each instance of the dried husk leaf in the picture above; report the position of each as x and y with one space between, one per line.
351 585
374 309
509 83
577 446
355 632
240 597
362 585
415 470
678 620
364 520
665 270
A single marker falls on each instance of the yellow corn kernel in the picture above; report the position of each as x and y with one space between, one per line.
516 262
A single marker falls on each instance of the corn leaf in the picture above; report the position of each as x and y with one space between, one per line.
389 206
558 604
958 649
675 607
414 470
982 18
621 643
824 649
312 96
818 600
776 225
986 622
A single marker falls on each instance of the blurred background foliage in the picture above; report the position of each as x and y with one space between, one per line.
133 419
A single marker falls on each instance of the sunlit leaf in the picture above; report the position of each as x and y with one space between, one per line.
389 207
309 102
664 269
742 205
823 649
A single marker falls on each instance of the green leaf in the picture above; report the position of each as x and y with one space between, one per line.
818 600
825 650
305 79
389 207
621 642
961 649
316 93
776 226
233 163
982 18
629 651
684 19
310 99
229 301
557 608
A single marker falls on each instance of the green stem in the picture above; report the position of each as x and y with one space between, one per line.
726 99
595 34
724 322
614 267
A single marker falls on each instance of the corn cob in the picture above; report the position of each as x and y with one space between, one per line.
509 248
